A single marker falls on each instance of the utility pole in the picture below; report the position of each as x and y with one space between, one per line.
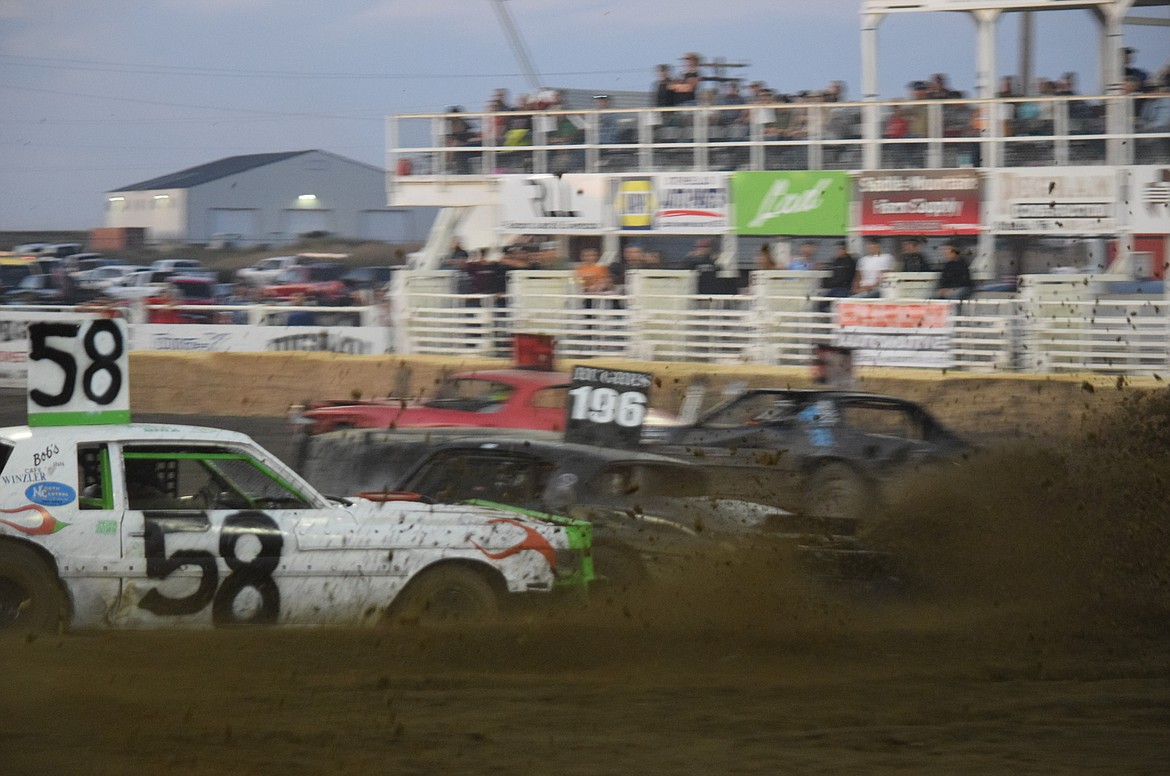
519 50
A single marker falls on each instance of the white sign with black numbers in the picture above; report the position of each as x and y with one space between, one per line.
78 372
607 406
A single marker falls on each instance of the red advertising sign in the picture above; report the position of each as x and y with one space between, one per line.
922 202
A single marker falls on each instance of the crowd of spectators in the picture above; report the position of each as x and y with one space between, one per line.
697 83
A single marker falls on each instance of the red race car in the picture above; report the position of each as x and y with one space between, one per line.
492 398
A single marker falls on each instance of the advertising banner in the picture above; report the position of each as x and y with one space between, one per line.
895 333
1054 200
691 203
1147 200
194 337
546 204
921 202
798 203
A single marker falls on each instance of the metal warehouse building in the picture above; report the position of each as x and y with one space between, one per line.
267 199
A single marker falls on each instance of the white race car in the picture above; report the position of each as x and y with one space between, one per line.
111 524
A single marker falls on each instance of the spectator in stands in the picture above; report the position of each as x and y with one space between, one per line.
702 256
456 258
1132 70
731 98
805 256
912 258
608 128
483 276
632 258
460 134
954 281
764 258
686 88
842 272
871 268
661 88
591 276
1154 117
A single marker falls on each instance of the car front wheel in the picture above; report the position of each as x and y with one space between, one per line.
446 595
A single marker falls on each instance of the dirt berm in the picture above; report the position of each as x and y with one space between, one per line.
268 383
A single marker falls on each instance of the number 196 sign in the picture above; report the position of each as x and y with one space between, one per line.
607 406
78 373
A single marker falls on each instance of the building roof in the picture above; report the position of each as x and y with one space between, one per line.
204 173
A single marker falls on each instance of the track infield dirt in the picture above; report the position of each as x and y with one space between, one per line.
1031 636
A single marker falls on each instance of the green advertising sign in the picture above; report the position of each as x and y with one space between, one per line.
791 203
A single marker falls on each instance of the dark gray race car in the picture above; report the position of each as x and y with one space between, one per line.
819 452
649 512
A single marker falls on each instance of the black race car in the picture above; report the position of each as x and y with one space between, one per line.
649 512
821 453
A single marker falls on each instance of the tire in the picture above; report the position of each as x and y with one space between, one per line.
446 594
31 599
835 491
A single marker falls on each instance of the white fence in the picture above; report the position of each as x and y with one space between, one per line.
1055 323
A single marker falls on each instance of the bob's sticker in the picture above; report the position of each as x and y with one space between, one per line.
50 494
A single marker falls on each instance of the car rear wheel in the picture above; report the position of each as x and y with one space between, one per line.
445 595
30 597
836 491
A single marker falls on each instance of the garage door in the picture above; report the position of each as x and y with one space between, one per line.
298 222
235 225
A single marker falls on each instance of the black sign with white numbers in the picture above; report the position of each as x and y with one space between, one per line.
607 406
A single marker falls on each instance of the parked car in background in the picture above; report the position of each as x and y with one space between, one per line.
266 270
820 452
320 282
34 289
367 278
14 269
141 284
189 267
101 278
180 298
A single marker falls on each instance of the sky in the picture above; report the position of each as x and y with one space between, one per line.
95 96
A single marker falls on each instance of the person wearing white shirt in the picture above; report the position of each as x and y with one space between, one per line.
871 267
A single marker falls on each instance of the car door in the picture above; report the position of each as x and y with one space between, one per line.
212 536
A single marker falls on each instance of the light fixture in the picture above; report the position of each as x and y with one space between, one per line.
307 197
162 196
117 199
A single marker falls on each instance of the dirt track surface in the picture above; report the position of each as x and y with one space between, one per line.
1031 636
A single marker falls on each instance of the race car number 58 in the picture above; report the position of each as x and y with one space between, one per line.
78 373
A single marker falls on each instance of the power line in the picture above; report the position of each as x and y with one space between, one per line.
220 72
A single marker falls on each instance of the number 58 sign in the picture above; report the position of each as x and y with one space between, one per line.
78 373
607 406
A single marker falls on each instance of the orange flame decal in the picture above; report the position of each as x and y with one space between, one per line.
532 541
46 523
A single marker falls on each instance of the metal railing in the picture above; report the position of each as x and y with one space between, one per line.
1005 132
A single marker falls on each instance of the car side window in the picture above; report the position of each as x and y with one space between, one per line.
483 475
160 477
883 419
93 477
